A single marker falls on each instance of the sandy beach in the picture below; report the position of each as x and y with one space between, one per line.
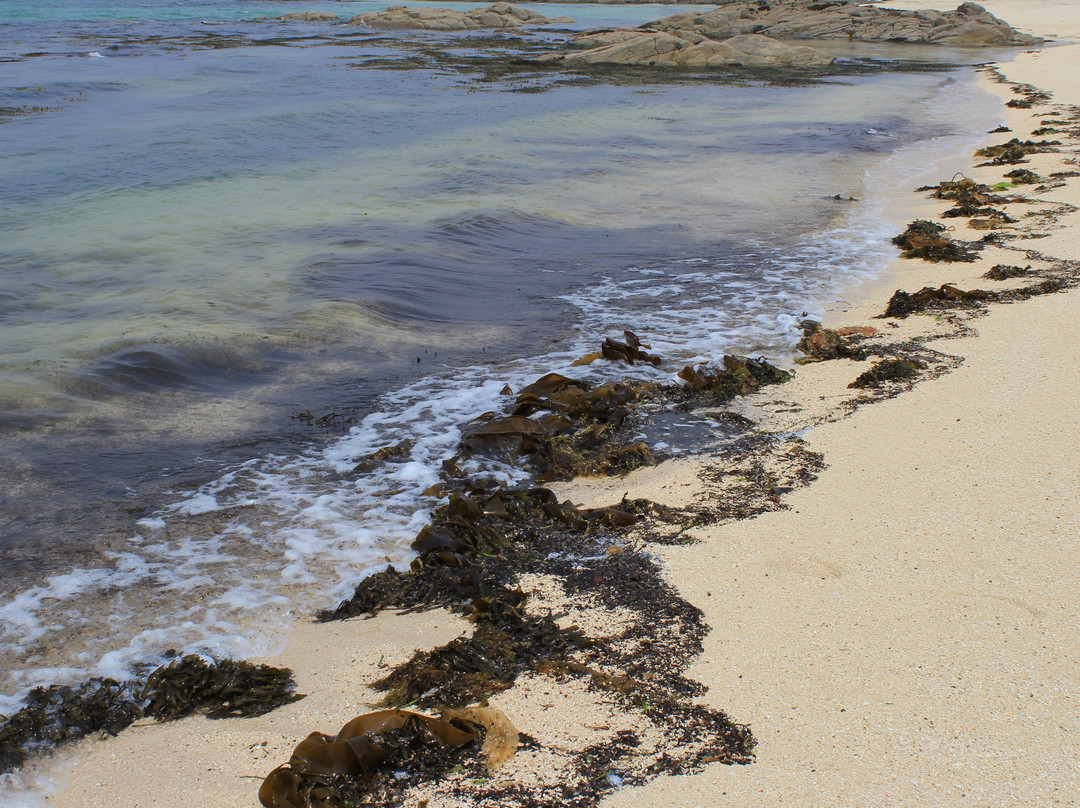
905 632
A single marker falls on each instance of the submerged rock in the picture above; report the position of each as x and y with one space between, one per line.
499 15
654 48
311 16
969 24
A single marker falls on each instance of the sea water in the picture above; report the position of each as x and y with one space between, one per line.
203 237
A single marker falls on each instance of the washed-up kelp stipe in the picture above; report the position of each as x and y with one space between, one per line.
352 767
820 344
739 376
890 370
947 296
1014 151
60 714
925 240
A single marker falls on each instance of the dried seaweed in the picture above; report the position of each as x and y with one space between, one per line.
925 240
739 376
1002 272
1023 176
59 714
889 370
1014 151
947 296
820 344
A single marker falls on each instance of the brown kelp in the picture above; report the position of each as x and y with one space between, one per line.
926 240
366 760
1003 272
1014 151
946 296
889 370
820 344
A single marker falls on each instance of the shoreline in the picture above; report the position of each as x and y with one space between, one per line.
260 744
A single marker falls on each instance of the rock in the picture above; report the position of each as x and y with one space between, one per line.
311 16
499 15
658 48
969 24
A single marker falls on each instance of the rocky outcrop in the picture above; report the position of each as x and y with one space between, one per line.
499 15
969 24
658 48
311 16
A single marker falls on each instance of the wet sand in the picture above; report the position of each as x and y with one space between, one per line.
904 633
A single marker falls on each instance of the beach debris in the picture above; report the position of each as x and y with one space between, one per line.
642 665
924 239
889 370
506 643
398 452
739 376
1002 272
501 738
1014 151
999 130
1031 96
217 689
59 714
370 754
629 351
1022 176
820 344
946 296
578 432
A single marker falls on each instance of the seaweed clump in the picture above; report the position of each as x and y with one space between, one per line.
1003 272
579 431
1014 151
903 304
630 351
1023 176
60 714
889 370
739 375
820 344
925 240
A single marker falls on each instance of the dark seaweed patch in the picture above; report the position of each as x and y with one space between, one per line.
925 240
1014 151
889 370
820 344
59 714
947 296
1002 272
1022 176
